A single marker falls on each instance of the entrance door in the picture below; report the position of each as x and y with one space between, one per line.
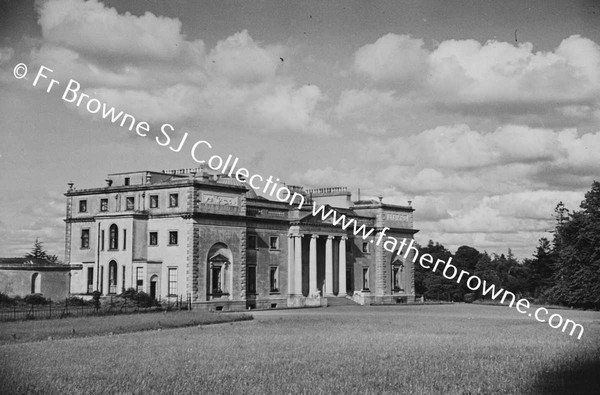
153 282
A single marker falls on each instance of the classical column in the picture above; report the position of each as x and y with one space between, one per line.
329 266
298 265
342 283
312 270
291 266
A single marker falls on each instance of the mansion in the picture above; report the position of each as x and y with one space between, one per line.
207 237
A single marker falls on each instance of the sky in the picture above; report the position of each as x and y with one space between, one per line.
483 114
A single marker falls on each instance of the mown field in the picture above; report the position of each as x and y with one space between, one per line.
440 349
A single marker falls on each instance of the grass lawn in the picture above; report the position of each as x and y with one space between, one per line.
438 349
32 330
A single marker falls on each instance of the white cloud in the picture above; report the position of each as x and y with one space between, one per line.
393 59
145 65
91 27
495 79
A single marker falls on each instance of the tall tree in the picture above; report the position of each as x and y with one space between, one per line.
577 244
37 252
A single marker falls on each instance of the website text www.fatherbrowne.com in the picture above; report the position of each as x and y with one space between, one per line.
72 94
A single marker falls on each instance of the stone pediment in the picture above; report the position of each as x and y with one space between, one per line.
218 258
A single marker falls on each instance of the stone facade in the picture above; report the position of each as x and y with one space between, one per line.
192 234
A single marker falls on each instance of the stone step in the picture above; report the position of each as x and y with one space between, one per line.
340 301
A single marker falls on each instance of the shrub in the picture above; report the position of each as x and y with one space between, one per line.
5 299
142 299
36 299
469 298
96 299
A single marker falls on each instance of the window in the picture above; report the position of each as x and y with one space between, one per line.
274 279
173 200
172 281
153 201
90 280
123 280
365 248
251 279
103 204
173 237
274 242
101 279
124 239
126 181
153 238
139 279
83 206
129 203
102 240
113 237
365 279
252 242
216 280
112 277
85 238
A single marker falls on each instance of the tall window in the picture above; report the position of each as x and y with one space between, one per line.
112 277
139 279
113 237
126 181
103 204
153 201
153 239
172 281
173 237
365 279
102 239
274 242
82 206
90 280
217 280
124 239
252 242
123 280
85 238
251 279
274 279
101 279
130 203
173 200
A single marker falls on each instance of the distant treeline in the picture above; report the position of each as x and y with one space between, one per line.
563 271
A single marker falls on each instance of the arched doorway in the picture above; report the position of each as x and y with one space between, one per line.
35 283
219 277
153 286
112 277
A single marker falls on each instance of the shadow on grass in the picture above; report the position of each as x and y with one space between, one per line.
574 377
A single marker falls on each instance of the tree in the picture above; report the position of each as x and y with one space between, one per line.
541 268
37 252
577 247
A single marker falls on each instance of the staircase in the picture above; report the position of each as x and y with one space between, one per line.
340 301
